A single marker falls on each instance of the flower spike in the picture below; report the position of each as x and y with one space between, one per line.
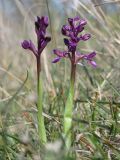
40 27
72 30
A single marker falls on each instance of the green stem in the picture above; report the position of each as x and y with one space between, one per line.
41 125
67 124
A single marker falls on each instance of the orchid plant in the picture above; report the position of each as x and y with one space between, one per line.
42 40
72 31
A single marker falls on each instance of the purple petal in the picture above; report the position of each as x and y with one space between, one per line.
72 43
57 59
86 37
78 57
45 20
58 53
29 45
38 25
25 44
70 20
66 41
77 53
74 38
91 55
43 43
93 63
41 25
42 21
77 18
83 22
79 28
65 30
73 21
66 27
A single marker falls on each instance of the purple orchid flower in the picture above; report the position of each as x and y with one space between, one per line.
60 54
27 44
40 27
72 30
85 37
88 57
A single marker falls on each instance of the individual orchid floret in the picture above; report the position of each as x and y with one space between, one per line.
60 54
78 57
57 59
90 57
71 44
65 30
27 44
85 37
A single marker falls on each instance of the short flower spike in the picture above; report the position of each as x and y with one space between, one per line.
41 25
72 30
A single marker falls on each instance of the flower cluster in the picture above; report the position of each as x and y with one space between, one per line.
40 27
76 26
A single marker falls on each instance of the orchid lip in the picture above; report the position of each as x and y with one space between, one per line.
57 59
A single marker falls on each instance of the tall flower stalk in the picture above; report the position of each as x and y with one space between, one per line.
72 30
40 28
